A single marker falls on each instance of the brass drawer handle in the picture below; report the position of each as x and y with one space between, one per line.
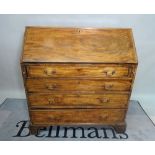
51 87
51 101
49 72
52 118
56 100
108 86
109 72
104 100
105 117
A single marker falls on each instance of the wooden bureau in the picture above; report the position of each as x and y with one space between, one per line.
78 76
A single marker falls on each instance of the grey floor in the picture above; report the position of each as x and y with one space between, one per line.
12 111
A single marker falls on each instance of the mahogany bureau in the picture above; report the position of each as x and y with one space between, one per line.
78 76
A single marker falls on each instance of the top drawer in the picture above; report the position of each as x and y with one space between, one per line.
77 70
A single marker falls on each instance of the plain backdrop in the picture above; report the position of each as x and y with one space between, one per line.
11 40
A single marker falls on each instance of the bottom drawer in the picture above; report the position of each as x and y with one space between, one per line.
77 116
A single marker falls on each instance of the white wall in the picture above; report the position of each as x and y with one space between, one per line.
11 39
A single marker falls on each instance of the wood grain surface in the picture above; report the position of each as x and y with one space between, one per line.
78 70
77 116
77 85
39 100
79 45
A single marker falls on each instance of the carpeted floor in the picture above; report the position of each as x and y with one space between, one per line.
14 123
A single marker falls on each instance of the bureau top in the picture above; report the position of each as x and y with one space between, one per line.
78 45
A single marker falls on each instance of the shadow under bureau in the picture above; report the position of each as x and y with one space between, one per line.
78 76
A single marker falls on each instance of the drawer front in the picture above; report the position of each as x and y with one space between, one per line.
77 116
74 70
66 100
83 85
